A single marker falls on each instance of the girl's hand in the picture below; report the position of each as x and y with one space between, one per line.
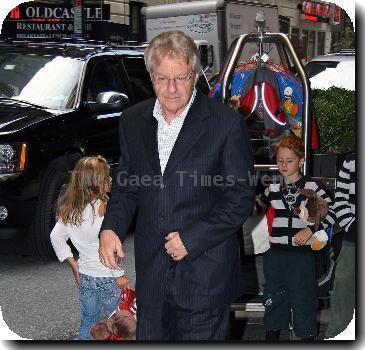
122 282
77 276
75 270
302 236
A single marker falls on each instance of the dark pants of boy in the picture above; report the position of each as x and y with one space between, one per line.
290 284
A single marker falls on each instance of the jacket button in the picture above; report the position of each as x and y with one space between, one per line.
163 186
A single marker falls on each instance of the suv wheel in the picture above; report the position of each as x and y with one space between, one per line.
53 179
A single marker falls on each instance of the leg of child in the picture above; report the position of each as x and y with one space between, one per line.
276 299
109 295
90 306
303 294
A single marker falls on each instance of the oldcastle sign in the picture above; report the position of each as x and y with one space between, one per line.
40 20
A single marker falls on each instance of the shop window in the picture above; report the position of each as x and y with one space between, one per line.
320 43
311 44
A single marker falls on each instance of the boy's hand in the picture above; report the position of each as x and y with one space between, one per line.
302 236
122 282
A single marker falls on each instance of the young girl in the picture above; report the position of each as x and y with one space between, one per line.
80 214
289 265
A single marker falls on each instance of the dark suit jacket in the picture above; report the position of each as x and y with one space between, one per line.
213 145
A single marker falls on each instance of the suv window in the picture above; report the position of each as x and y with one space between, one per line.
26 77
139 78
104 77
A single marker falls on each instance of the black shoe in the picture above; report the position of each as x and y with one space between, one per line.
272 335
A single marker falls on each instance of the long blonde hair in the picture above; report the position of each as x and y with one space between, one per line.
88 183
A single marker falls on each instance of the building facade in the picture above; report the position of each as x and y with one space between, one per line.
311 25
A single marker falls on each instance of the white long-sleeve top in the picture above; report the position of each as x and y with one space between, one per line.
85 240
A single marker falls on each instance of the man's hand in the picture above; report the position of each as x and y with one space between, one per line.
302 236
174 246
109 245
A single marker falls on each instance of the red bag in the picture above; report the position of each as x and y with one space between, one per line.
127 302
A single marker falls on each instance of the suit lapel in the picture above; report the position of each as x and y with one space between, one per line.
149 133
191 131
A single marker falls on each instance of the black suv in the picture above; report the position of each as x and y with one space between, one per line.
58 102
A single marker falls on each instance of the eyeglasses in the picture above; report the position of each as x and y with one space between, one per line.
179 81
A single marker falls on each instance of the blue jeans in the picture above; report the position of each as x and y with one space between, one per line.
96 293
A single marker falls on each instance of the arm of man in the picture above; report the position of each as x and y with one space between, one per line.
237 198
262 201
120 208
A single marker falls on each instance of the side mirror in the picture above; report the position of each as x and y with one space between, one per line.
112 97
109 101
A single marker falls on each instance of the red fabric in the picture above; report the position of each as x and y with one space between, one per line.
247 101
270 213
315 138
273 102
128 300
115 337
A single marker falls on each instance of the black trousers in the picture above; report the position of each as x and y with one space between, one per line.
174 323
290 284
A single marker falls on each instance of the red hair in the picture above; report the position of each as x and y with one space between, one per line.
293 143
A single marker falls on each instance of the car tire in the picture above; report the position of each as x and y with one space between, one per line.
55 176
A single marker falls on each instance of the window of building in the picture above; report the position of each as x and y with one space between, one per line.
311 44
304 40
284 23
297 42
321 43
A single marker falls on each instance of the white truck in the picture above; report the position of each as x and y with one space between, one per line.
217 22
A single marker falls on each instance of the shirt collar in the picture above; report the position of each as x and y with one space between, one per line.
157 110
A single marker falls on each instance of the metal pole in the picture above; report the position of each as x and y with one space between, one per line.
78 19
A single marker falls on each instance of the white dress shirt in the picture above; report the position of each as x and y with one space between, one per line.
168 133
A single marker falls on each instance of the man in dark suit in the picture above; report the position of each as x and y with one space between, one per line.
185 163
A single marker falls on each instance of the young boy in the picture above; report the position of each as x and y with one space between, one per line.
289 265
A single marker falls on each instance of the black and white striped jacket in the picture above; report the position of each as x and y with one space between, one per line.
286 223
345 197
